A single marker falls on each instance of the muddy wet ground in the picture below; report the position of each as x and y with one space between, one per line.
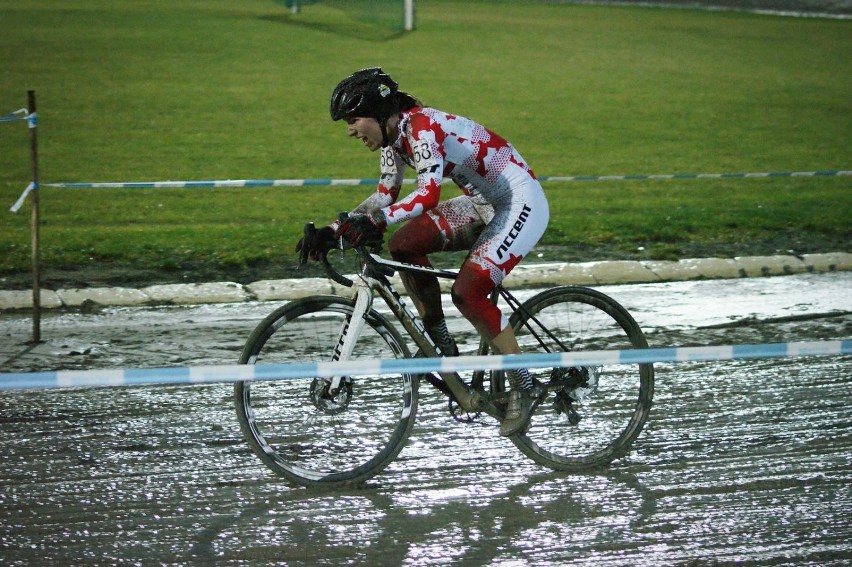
741 461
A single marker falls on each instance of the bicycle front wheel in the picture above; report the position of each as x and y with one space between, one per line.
303 431
591 414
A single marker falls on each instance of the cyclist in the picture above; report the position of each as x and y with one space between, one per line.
500 216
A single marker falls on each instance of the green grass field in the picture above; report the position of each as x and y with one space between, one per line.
193 90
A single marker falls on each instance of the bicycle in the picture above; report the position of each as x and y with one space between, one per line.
344 430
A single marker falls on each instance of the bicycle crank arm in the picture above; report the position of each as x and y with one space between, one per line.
469 399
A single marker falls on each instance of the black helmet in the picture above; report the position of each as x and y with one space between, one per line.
369 93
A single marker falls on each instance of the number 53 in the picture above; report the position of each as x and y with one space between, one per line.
422 151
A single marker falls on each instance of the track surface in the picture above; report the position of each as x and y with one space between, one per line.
741 461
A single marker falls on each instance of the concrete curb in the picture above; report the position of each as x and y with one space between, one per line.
529 275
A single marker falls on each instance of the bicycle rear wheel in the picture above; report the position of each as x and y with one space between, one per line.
299 429
591 414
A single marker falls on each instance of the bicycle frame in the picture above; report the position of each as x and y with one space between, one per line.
373 280
590 419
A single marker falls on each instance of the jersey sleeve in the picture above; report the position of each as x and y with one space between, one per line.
392 170
423 144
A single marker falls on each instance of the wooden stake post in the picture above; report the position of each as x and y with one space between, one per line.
32 121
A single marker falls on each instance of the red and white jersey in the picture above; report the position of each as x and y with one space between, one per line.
438 145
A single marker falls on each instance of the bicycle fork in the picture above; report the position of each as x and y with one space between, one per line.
350 331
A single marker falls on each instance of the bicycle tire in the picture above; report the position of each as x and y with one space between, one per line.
616 399
305 435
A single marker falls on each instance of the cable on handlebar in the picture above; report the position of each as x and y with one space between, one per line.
332 273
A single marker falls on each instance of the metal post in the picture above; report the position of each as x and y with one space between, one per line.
409 15
31 107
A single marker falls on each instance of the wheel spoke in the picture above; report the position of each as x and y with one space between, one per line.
302 430
591 414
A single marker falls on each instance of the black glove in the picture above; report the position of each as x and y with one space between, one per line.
323 240
363 229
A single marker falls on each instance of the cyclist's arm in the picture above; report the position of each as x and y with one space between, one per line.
428 159
392 170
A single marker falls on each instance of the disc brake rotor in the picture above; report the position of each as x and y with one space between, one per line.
585 382
576 383
326 401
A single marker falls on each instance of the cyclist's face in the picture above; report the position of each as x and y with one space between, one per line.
367 130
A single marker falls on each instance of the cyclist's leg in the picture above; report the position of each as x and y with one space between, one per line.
412 243
452 225
504 242
516 227
471 294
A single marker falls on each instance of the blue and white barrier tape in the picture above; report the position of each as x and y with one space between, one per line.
21 114
836 173
332 182
20 202
260 372
217 184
